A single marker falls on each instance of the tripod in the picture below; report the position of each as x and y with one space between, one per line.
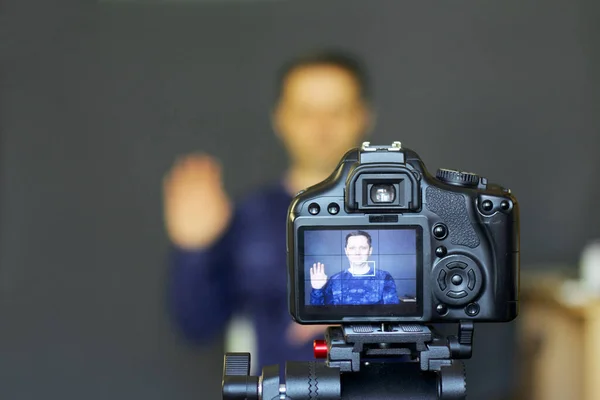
366 361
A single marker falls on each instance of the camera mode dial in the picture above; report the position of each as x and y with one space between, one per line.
457 279
457 178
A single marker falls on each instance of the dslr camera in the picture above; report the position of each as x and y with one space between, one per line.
382 250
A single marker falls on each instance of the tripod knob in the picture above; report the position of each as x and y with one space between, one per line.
237 383
237 364
320 349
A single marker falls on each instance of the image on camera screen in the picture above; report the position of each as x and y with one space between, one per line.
361 267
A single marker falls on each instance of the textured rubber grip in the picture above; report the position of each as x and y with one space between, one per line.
451 208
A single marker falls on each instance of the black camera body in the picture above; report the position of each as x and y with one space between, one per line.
420 248
383 248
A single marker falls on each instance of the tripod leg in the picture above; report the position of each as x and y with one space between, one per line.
390 381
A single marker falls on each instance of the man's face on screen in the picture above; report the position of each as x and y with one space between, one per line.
358 250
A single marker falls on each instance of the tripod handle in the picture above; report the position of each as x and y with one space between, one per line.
461 346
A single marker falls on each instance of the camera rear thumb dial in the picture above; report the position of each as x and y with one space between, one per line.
457 279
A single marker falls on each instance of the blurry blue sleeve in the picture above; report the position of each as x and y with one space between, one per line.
390 296
333 292
323 296
317 297
203 287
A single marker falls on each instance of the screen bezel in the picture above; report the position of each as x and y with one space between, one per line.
413 310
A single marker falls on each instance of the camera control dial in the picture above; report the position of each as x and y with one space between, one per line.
457 279
457 178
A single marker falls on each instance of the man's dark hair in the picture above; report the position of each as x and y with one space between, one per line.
337 58
358 233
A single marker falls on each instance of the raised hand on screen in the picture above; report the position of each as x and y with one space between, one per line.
318 279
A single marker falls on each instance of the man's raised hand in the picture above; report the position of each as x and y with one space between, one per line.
196 208
318 279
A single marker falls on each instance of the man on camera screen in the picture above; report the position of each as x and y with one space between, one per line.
360 284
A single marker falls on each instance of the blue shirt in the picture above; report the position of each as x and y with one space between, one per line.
346 288
245 271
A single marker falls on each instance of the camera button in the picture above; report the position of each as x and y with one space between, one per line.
472 280
441 309
442 280
457 279
333 208
487 205
472 309
456 295
314 208
441 251
440 231
456 264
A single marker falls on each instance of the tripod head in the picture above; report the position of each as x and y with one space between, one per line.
366 361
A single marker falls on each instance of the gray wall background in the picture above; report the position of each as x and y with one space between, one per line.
97 99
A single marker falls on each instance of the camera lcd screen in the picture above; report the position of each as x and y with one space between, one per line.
360 271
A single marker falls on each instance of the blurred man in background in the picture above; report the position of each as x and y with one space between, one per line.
232 259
